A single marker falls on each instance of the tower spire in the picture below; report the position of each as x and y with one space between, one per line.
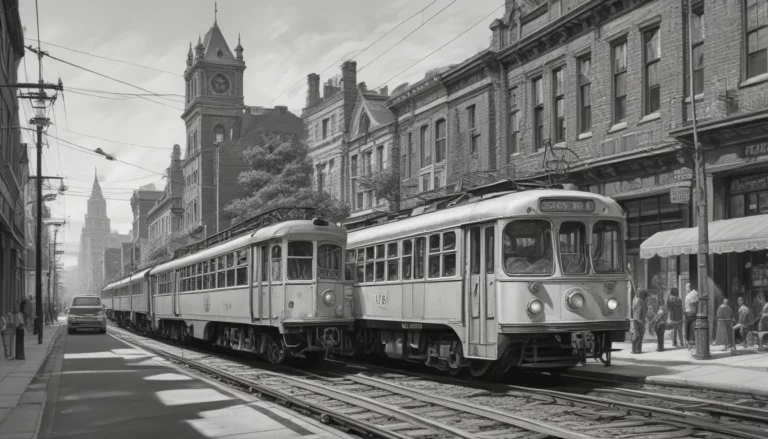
215 12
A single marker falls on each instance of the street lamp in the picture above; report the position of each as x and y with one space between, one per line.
702 319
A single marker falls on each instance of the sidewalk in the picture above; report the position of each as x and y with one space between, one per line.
745 372
21 404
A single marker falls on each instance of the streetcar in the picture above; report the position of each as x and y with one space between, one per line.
525 279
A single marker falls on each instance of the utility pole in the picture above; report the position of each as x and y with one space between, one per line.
702 318
51 266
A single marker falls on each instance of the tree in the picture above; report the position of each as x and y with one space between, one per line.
160 249
281 176
384 184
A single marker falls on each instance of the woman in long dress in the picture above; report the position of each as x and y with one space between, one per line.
724 333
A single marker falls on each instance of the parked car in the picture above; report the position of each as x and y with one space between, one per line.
86 312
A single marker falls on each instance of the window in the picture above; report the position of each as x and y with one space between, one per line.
409 154
440 141
325 128
365 124
585 95
619 67
572 243
425 181
558 93
218 135
426 154
230 270
86 301
489 250
652 55
697 47
380 158
474 137
407 259
527 247
349 265
368 166
329 262
438 180
300 260
379 264
538 114
474 250
554 9
353 166
393 261
320 178
757 37
242 267
418 258
513 144
606 247
442 255
368 264
277 263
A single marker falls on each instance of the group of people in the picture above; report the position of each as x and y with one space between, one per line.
675 315
12 328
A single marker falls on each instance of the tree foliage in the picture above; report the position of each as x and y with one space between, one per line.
162 248
384 184
281 176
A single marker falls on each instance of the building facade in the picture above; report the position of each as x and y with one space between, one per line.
217 124
142 201
14 166
165 217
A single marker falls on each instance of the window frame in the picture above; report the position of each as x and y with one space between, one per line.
756 29
650 65
513 135
584 84
503 260
325 124
558 104
697 44
537 99
441 143
474 136
425 153
312 264
442 253
615 74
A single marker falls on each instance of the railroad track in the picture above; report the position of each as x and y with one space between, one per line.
387 403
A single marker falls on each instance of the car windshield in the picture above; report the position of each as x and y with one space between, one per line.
86 301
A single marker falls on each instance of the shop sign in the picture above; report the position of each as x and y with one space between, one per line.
751 184
756 150
680 195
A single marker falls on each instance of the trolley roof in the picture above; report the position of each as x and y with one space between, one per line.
301 229
515 204
127 280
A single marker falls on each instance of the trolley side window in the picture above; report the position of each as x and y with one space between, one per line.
393 261
329 262
241 272
264 263
379 265
442 255
418 259
369 264
300 260
212 272
277 263
606 247
407 259
572 240
527 247
489 254
349 265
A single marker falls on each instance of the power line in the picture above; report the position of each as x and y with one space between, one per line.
88 196
358 53
438 49
406 36
118 142
109 59
77 147
132 94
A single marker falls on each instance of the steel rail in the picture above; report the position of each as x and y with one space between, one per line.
290 401
456 404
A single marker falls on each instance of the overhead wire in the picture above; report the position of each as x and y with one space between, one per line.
78 147
439 48
117 141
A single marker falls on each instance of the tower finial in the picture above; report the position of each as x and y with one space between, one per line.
215 11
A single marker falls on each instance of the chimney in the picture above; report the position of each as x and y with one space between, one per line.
384 91
363 88
282 109
327 90
350 90
313 91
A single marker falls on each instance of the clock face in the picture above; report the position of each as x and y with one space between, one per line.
220 83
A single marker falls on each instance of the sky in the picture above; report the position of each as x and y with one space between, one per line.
144 44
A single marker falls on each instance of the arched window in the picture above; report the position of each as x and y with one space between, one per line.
218 134
365 124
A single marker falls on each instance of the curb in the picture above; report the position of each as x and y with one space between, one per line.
54 340
668 382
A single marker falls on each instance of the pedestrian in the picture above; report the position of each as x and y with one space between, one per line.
691 308
675 316
724 334
18 323
10 330
744 322
639 313
658 326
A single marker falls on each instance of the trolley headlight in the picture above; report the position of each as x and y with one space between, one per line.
612 304
535 306
575 301
329 298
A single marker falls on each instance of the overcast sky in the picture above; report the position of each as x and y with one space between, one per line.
283 41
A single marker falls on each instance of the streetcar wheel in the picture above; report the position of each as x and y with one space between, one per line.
479 368
276 351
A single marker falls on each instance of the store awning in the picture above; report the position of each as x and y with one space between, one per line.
725 236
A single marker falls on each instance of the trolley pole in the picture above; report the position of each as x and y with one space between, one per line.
702 318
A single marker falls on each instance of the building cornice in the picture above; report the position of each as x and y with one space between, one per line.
323 105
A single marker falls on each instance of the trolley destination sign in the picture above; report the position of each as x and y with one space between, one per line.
566 205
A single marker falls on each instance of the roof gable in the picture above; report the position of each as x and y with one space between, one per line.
215 47
374 107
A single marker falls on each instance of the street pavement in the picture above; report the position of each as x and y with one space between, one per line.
102 387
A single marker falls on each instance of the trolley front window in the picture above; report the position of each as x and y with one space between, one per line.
300 260
527 247
329 262
606 247
572 240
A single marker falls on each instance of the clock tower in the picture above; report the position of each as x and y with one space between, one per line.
213 114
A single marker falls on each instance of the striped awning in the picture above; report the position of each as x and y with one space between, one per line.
725 236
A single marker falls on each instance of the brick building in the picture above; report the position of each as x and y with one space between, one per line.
126 257
326 120
142 201
165 217
217 122
14 165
